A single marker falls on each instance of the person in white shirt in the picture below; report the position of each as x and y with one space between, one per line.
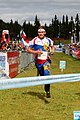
40 46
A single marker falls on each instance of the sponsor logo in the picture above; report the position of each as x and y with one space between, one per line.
76 115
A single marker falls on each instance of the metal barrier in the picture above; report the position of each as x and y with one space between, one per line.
25 59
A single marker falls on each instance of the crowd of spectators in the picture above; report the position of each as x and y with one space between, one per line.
12 45
19 43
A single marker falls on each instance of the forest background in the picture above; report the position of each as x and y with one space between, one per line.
63 29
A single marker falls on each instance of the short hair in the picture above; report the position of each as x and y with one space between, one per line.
41 27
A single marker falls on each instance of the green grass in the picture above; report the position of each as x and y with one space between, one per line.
30 103
56 42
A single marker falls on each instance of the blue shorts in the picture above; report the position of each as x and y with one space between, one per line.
43 69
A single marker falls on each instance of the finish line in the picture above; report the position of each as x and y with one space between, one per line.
39 80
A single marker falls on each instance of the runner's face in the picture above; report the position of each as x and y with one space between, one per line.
41 34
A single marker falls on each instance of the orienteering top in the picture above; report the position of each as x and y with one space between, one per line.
41 44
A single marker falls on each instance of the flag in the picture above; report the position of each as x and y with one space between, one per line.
23 40
23 43
22 34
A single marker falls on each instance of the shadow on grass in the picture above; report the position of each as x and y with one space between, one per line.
78 94
39 95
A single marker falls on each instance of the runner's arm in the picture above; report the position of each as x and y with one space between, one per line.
32 51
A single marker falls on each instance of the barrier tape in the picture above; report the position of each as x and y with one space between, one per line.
39 80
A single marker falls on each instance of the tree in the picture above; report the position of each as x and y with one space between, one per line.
55 25
67 27
77 18
63 19
77 26
36 25
64 29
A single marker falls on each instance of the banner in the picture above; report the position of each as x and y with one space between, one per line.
3 65
40 80
13 61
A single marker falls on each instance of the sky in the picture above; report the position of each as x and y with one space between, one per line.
45 10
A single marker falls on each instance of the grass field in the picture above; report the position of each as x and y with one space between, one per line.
30 103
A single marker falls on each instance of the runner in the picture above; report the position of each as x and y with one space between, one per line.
40 46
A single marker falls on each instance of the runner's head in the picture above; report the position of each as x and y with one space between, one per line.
41 32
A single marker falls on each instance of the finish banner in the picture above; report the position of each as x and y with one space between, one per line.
40 80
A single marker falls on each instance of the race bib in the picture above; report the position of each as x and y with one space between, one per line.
43 56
